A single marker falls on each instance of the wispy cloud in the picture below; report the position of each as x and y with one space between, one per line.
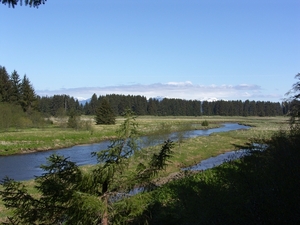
182 90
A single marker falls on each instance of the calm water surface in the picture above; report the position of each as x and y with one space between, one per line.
27 166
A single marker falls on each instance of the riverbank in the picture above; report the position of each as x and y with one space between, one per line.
191 151
57 136
21 141
28 164
261 188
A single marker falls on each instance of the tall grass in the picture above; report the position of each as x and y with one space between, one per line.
187 152
262 188
58 135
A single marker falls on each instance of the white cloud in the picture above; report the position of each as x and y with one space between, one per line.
182 90
180 83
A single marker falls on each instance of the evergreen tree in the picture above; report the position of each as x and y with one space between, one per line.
252 109
28 96
104 113
152 106
93 105
294 98
69 195
5 85
246 108
15 93
260 106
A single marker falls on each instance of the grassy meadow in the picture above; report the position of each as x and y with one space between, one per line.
57 135
186 152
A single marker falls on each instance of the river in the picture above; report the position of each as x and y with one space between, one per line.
27 166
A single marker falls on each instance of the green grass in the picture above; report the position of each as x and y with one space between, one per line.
186 152
56 136
191 151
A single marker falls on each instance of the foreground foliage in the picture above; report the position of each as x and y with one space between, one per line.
262 188
68 195
31 3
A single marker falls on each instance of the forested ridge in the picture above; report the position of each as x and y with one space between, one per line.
15 91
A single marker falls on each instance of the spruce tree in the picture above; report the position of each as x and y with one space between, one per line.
28 96
15 93
104 113
69 195
294 98
5 85
93 105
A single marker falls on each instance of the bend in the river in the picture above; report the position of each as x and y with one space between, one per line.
27 166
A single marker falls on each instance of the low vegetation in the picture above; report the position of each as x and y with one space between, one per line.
186 152
261 188
57 134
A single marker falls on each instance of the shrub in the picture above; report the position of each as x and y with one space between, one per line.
204 123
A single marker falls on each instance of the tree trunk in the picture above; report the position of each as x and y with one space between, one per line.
104 220
105 214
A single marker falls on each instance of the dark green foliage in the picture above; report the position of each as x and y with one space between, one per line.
28 98
13 117
259 189
59 105
21 92
61 201
180 107
5 85
16 196
239 108
104 113
15 91
73 120
294 106
67 195
204 123
93 106
31 3
158 162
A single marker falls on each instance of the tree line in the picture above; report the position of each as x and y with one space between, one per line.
18 102
17 91
140 105
62 104
260 188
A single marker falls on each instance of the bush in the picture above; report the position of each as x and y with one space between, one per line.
204 123
261 188
13 116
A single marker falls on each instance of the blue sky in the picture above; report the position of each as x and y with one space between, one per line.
173 48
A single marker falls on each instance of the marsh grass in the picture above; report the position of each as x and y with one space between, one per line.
57 136
187 152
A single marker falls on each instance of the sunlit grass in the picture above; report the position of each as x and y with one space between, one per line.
57 136
187 152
